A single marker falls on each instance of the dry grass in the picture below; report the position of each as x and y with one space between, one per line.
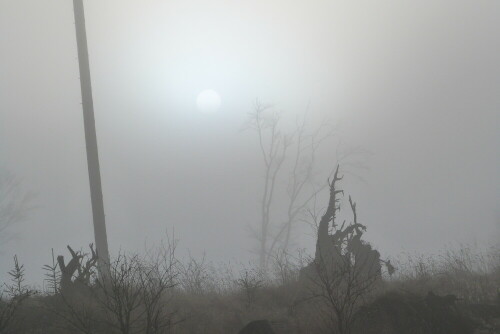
210 298
470 273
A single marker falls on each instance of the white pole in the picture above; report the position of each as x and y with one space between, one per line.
101 240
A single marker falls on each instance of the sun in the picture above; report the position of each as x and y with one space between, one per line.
208 101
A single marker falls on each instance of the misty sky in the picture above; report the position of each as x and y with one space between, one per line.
416 83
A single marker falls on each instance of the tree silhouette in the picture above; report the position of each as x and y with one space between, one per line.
14 204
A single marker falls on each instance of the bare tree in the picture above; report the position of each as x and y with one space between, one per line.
341 287
284 154
119 296
250 281
157 278
194 275
14 203
134 298
273 154
301 189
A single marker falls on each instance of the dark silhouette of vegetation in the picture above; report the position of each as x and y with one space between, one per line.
146 294
12 296
344 288
397 312
257 327
345 268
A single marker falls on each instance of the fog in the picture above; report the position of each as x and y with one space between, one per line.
415 84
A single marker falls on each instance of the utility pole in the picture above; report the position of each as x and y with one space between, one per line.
101 240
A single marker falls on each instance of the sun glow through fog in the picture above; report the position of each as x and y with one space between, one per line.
208 101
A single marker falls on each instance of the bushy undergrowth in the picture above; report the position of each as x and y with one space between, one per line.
472 274
158 293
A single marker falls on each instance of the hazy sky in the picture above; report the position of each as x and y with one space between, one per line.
417 83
